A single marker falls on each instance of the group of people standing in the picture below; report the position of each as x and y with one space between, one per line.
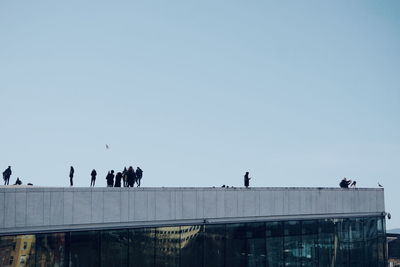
126 178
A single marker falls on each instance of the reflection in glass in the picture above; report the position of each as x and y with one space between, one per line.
51 250
114 248
85 249
327 243
17 250
236 245
255 236
274 243
141 247
309 243
292 243
371 235
167 247
342 245
192 249
381 251
214 245
355 242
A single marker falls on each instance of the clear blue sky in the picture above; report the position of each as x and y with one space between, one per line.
299 93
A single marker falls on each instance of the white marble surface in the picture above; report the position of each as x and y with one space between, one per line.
24 208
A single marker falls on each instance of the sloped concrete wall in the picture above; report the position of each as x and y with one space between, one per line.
36 208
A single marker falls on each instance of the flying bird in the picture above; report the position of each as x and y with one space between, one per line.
107 147
379 185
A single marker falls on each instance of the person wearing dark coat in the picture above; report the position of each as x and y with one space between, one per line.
139 175
110 178
71 176
131 175
344 183
93 180
246 180
118 179
124 177
6 175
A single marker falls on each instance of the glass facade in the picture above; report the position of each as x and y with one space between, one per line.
345 242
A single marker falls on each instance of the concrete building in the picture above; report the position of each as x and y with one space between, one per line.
192 227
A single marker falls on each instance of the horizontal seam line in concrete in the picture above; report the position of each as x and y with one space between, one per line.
147 224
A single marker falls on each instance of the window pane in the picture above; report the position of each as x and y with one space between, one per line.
371 245
114 248
167 246
84 248
327 243
192 244
236 245
142 247
370 228
292 243
274 243
214 245
381 226
255 235
342 245
309 243
51 250
371 253
356 242
381 251
17 250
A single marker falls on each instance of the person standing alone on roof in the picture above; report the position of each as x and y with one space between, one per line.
247 180
71 176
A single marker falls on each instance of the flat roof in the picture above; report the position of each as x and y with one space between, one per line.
40 209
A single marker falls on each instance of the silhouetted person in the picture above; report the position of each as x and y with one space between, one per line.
131 176
345 183
6 175
125 177
139 175
18 181
71 176
93 180
246 180
118 179
110 179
